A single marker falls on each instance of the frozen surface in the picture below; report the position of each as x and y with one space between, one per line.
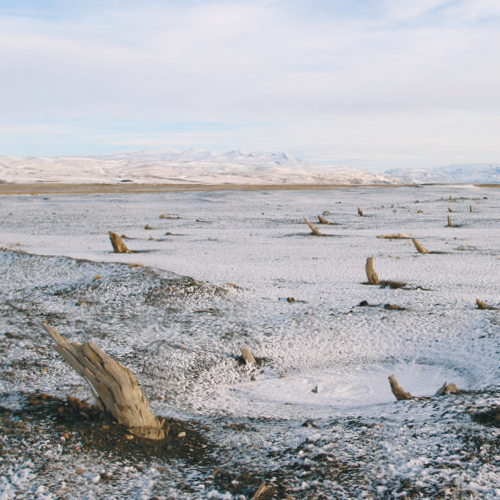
325 358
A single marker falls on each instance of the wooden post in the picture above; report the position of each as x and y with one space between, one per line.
370 272
117 243
114 385
419 247
314 229
471 210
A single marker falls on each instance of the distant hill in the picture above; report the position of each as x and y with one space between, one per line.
200 166
192 166
472 173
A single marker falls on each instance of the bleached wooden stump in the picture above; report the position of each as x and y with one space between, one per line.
248 356
450 224
419 247
447 389
115 386
402 395
370 272
314 229
397 390
117 243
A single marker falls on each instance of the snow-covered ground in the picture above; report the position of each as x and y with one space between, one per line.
326 360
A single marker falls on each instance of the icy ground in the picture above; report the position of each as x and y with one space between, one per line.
317 418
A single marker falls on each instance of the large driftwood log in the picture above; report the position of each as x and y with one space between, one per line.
419 247
370 272
118 245
397 390
114 385
314 229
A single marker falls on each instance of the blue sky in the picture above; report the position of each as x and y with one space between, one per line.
371 83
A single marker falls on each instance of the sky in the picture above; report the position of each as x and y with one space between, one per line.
376 84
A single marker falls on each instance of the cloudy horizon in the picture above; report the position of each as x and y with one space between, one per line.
375 84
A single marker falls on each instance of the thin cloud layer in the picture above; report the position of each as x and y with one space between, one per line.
297 71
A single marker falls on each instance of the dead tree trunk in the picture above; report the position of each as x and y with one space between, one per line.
314 229
118 245
397 390
419 247
370 272
114 385
450 224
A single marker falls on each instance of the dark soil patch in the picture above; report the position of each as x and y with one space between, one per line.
85 425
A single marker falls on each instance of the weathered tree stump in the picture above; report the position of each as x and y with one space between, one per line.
115 386
248 356
314 229
402 395
450 210
447 389
360 212
450 224
471 209
117 243
482 305
370 272
397 390
419 247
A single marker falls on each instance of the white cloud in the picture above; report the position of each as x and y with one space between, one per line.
261 61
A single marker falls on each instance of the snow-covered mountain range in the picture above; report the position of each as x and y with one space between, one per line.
199 166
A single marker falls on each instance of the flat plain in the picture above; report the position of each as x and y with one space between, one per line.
227 268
